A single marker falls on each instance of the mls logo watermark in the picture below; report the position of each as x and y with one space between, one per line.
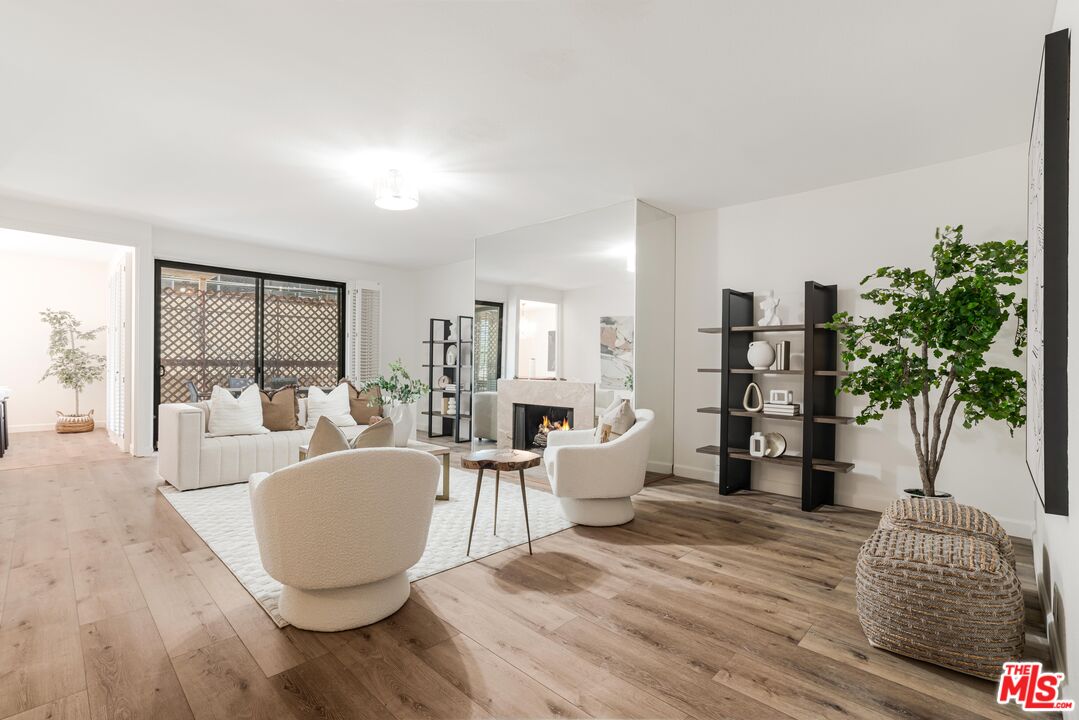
1031 689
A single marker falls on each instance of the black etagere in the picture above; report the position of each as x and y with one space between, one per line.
440 340
819 373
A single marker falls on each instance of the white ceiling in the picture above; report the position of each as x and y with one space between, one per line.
246 118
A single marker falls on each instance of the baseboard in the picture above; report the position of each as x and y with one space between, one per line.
32 428
663 468
696 473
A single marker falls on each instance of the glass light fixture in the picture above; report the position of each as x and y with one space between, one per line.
394 191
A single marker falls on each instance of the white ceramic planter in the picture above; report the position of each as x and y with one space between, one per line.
404 423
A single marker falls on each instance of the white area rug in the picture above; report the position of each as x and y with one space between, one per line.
222 517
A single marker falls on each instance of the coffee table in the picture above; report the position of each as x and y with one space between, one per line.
499 461
439 451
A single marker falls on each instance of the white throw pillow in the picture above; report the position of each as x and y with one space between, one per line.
235 415
620 417
334 405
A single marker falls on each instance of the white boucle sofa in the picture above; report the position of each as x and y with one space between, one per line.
593 482
187 459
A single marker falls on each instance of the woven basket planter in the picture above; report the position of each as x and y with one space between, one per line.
950 600
74 423
924 515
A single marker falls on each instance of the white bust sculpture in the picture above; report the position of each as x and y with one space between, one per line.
770 306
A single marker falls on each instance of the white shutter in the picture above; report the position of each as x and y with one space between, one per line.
116 347
364 328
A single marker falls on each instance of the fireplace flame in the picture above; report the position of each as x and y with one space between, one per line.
547 426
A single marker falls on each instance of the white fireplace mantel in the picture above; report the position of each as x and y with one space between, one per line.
559 393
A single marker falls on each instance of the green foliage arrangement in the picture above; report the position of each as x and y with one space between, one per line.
933 340
72 365
400 387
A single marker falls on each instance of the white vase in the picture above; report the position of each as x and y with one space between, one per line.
404 423
761 355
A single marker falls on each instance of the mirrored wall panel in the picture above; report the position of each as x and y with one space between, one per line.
573 316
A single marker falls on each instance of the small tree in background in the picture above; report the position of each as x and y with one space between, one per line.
72 365
933 341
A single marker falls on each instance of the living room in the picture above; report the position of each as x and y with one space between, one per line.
508 360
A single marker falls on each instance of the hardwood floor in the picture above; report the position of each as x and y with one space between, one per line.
701 607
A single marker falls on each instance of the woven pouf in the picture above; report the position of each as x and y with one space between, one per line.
942 516
946 599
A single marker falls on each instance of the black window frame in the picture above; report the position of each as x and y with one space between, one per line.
260 278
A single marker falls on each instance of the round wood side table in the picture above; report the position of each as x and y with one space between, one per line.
499 461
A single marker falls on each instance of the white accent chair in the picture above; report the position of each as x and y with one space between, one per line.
339 531
594 482
485 415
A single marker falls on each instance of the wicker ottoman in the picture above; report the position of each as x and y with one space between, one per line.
941 516
946 599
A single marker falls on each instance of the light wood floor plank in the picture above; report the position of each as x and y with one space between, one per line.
72 707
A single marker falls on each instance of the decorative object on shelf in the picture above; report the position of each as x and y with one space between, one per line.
774 444
451 354
442 382
770 306
400 391
780 397
788 409
1047 284
748 401
783 355
761 354
757 444
951 312
615 351
72 365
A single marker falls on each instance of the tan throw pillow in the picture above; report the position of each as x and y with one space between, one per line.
379 435
621 418
327 438
604 433
360 405
280 409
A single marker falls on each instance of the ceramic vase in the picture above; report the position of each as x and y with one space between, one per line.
752 399
761 355
404 423
756 444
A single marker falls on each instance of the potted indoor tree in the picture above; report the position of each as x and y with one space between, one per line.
926 351
73 366
399 392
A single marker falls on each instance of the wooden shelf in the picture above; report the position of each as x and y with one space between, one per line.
767 328
769 416
447 416
833 466
710 450
833 419
710 410
754 371
831 373
710 330
710 370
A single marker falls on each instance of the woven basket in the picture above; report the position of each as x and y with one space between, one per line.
950 600
924 515
74 423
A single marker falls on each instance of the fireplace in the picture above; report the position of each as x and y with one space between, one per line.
528 419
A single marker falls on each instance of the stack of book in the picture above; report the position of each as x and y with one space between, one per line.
791 409
452 387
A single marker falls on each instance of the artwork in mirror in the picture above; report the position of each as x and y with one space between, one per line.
547 290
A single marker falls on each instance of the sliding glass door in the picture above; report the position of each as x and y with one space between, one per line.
230 328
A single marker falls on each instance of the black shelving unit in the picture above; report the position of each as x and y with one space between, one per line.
459 372
819 420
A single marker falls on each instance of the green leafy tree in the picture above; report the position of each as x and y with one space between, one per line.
72 365
399 387
928 350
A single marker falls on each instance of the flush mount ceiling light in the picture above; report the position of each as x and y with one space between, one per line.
395 191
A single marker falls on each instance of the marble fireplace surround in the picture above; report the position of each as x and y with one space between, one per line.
560 393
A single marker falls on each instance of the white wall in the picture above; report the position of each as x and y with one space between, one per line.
581 311
31 283
1056 537
838 235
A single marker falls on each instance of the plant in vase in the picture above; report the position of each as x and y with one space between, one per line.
72 365
399 392
927 350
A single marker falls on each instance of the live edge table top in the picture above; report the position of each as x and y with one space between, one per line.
504 460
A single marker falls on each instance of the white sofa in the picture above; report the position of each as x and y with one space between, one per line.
187 459
594 482
340 530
